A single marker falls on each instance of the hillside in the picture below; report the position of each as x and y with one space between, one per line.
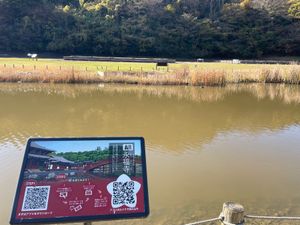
160 28
277 7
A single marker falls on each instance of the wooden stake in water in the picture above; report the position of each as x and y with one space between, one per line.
233 213
87 223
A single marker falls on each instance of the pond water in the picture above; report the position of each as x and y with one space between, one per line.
204 146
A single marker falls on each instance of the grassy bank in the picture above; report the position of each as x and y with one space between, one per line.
92 66
197 74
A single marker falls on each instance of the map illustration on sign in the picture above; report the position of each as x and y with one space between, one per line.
73 179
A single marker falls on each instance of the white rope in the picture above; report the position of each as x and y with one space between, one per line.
204 221
273 217
221 218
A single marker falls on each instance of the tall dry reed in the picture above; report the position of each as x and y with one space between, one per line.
184 75
207 77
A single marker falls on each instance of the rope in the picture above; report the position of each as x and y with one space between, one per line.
204 221
221 218
273 217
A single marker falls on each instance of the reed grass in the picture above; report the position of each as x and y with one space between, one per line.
182 75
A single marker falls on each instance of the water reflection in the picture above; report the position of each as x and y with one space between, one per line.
285 93
205 145
170 117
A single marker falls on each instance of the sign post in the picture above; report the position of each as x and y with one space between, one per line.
81 179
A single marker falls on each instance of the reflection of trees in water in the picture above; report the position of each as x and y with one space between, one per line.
282 92
170 118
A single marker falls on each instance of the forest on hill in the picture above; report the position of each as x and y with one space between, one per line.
152 28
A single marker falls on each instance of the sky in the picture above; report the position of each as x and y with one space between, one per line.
84 145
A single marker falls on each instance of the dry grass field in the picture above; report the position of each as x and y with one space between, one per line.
196 74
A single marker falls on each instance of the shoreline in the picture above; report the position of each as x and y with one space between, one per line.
182 74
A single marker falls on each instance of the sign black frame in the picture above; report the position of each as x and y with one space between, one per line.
13 219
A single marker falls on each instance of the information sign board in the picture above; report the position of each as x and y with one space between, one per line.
81 179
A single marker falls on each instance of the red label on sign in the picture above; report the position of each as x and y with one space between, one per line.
79 198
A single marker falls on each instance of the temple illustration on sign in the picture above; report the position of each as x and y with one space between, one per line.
47 164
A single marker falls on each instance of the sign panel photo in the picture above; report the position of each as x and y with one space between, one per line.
81 179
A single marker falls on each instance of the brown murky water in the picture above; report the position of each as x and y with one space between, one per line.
204 146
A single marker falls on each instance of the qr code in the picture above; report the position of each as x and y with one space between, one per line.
123 193
36 198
